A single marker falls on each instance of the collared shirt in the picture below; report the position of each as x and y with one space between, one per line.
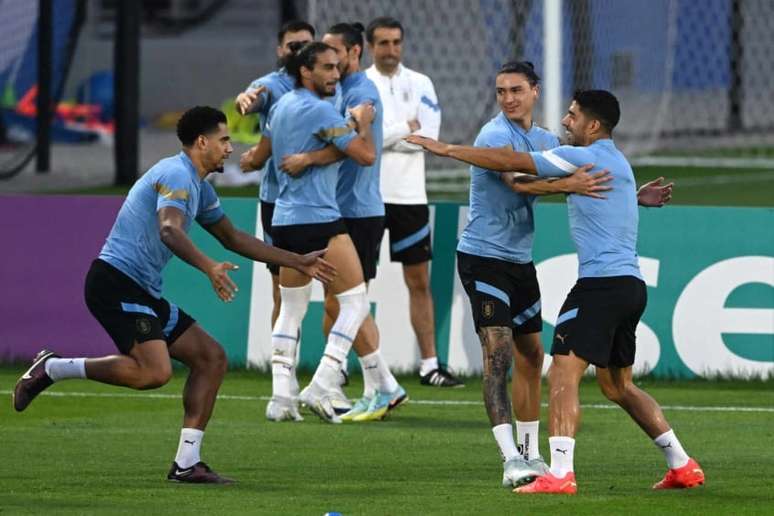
501 222
357 192
406 95
303 122
604 230
134 244
277 83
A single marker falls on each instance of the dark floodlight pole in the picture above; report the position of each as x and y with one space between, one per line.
126 89
43 99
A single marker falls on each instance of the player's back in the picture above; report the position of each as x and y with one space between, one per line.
134 244
604 230
277 84
357 192
303 122
501 221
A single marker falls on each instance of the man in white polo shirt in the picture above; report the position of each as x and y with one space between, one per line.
410 107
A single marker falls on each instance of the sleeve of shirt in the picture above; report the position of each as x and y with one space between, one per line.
561 161
331 126
173 189
267 126
394 133
210 210
429 111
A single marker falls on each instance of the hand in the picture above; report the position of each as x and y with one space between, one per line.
246 160
654 194
312 264
294 164
245 100
430 145
221 283
414 125
363 114
582 183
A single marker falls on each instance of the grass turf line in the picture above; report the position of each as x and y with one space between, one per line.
99 455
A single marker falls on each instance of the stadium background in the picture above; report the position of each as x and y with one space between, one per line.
695 88
696 84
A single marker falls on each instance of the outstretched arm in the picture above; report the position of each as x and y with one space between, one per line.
171 221
247 245
502 159
655 194
294 164
250 101
580 182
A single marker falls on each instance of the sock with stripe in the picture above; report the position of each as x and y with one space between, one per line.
527 438
284 337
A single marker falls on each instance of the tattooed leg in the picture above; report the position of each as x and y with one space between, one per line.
496 344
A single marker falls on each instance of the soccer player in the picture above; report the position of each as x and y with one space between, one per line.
494 260
410 107
597 322
307 216
123 288
360 202
259 97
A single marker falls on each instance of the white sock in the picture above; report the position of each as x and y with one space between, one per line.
64 368
284 337
353 309
562 451
387 381
527 438
672 449
428 365
503 434
189 446
370 366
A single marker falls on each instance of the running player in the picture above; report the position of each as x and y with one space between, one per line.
410 106
494 260
123 288
307 216
360 202
597 322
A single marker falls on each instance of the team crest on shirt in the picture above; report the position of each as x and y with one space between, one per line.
487 309
143 326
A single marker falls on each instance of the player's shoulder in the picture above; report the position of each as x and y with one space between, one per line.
172 167
547 139
415 76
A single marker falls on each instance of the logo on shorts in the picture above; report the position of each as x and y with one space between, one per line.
561 337
143 326
487 309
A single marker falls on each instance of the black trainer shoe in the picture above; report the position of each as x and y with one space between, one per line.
33 382
199 473
441 378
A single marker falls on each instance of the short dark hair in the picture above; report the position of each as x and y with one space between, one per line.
199 120
294 26
601 105
351 33
306 57
382 22
525 68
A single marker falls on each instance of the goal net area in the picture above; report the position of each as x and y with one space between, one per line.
694 79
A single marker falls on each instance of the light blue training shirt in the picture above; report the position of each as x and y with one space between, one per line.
303 122
604 230
501 222
134 244
277 83
358 191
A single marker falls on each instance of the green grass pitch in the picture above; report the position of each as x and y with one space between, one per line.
107 450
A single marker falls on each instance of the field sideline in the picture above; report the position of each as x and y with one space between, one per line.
103 449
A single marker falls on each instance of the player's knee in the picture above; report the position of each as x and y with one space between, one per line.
612 392
153 378
532 354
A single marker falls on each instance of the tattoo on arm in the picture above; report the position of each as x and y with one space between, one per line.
497 347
